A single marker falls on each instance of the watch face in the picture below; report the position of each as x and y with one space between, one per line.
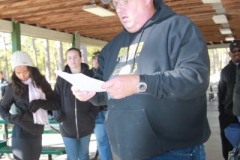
142 87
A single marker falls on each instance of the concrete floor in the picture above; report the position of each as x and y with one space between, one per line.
213 145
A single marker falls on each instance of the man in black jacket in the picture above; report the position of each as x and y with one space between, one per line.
225 98
235 49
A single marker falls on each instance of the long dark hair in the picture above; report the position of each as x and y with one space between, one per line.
39 80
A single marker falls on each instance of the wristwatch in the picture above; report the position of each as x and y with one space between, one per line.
141 86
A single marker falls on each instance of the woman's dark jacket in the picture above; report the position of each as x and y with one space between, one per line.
23 120
77 119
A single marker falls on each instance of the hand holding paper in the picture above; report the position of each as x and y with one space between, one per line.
82 82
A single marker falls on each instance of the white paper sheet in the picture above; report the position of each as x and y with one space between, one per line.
82 82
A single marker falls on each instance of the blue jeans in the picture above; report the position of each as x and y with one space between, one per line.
77 149
104 149
192 153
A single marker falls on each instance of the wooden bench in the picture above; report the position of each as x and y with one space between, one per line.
49 150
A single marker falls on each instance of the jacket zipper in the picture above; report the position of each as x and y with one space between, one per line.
76 121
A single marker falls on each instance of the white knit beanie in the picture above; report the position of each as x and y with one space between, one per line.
20 58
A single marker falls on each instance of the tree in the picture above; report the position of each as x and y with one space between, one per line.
47 61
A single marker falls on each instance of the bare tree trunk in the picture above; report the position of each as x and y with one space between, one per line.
60 55
6 59
47 61
213 62
35 52
226 59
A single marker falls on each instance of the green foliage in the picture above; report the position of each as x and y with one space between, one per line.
37 49
5 53
91 50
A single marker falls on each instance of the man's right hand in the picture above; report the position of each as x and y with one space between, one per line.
82 95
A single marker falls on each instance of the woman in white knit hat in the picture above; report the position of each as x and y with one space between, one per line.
32 96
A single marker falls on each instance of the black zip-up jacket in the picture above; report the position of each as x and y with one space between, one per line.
236 93
23 120
225 90
171 54
76 118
